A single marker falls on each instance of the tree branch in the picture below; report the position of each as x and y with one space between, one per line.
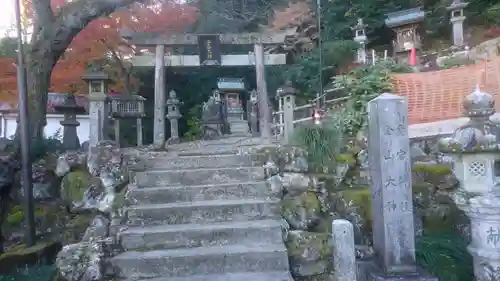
78 14
72 18
125 70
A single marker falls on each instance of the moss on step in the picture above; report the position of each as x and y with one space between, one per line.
21 256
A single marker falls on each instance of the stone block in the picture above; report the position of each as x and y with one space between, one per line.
199 176
158 195
201 261
344 254
374 273
203 212
202 235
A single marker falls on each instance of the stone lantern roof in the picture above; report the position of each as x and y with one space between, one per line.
480 134
457 5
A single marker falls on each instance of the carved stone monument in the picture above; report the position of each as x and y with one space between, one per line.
475 149
392 205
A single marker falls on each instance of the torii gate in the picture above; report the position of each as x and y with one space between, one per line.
209 54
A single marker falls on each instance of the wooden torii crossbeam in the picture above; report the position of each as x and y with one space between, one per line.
209 48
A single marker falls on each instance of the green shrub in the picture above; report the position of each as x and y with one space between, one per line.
445 256
322 142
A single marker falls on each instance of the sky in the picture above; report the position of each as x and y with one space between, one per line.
6 16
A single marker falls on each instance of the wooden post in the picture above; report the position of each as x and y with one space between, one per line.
159 99
265 118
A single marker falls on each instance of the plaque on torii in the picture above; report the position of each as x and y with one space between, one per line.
209 49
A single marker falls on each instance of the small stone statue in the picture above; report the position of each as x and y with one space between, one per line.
212 122
253 112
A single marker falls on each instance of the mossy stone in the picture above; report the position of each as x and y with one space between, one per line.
308 246
21 256
74 185
303 211
435 170
361 197
346 158
75 228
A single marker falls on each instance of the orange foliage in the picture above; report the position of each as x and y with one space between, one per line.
97 43
8 81
291 16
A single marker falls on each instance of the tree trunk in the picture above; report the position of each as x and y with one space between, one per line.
52 36
39 74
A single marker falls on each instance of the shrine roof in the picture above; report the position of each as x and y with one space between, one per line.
399 18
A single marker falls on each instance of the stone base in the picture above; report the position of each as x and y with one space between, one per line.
172 140
372 272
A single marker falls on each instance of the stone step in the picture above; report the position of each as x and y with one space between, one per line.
158 195
198 176
209 150
245 276
200 161
202 235
201 261
202 212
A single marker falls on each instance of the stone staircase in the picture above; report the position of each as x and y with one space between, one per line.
202 215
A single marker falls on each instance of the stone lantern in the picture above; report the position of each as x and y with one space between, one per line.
360 37
98 110
173 116
457 19
70 109
287 94
475 149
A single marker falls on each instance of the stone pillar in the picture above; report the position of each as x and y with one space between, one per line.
159 99
98 106
392 205
264 114
173 117
287 93
344 253
70 109
457 19
360 37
